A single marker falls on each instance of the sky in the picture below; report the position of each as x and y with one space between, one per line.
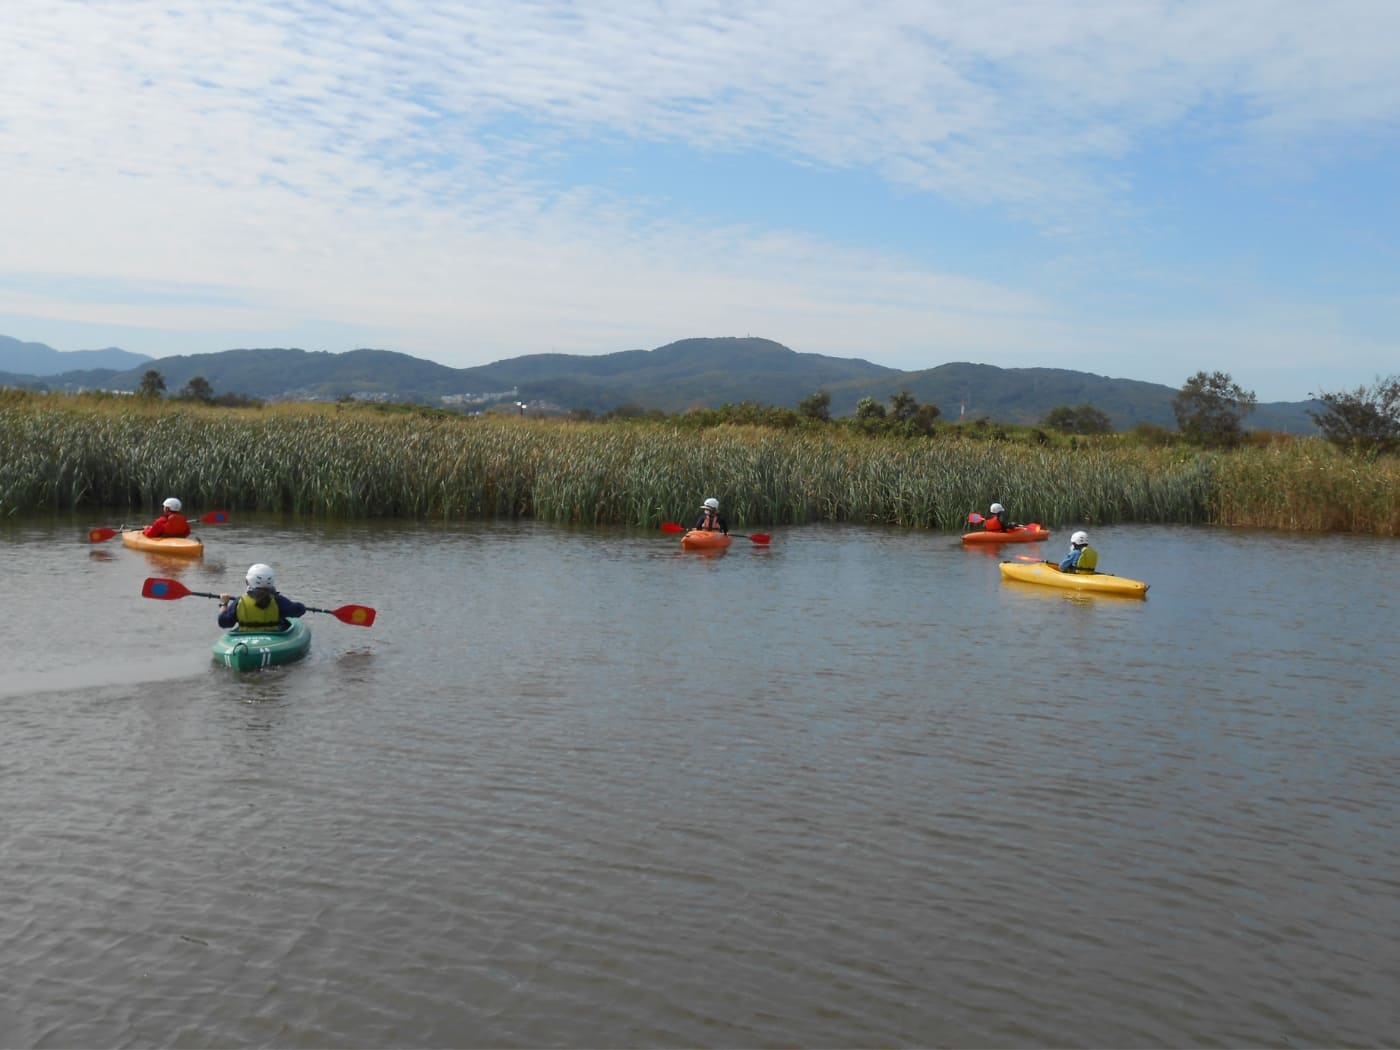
1140 189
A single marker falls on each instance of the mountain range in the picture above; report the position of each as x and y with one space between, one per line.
686 374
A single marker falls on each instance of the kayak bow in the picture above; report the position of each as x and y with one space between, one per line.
705 540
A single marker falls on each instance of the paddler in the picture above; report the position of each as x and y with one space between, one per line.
262 608
711 520
997 520
1081 557
171 523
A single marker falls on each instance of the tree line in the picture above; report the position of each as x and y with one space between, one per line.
1210 409
197 389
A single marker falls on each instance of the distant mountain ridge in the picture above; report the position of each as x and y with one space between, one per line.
36 359
690 373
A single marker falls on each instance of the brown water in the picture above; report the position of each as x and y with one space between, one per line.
575 788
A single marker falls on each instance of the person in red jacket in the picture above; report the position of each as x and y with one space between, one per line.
171 523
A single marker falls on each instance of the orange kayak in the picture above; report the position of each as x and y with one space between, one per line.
1020 534
704 540
186 547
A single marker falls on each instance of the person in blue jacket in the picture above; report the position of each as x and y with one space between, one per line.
262 608
1081 557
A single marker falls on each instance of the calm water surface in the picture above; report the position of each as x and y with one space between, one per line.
576 788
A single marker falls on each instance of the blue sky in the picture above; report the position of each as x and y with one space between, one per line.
1138 188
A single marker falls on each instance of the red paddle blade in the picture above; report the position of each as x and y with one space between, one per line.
974 518
761 537
165 590
354 615
671 526
100 535
215 517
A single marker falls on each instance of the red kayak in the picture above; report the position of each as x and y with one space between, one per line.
1020 534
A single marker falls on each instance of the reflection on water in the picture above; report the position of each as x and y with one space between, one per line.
578 787
168 565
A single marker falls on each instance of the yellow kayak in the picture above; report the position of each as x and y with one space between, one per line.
1051 576
185 547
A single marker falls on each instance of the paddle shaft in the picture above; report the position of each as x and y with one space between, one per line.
757 537
169 590
106 532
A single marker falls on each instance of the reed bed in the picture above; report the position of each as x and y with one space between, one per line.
67 454
1309 486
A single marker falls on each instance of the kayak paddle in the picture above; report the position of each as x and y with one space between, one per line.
974 518
169 590
102 535
757 537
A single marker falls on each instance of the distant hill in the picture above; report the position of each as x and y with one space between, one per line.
1025 395
36 359
672 378
678 376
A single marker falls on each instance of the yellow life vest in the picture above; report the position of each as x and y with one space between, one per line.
1088 560
250 616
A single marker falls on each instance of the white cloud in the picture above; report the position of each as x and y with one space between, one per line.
388 168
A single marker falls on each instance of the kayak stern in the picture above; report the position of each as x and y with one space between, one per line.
182 546
252 650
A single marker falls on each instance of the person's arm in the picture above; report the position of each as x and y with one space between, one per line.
723 525
155 528
288 609
228 611
1069 562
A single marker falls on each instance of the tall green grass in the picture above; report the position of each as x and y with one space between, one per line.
74 453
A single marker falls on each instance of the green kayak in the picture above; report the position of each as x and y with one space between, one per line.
249 650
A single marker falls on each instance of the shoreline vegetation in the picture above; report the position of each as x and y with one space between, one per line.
76 453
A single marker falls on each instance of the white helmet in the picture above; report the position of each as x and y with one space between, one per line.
997 508
1079 539
260 575
173 504
711 504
